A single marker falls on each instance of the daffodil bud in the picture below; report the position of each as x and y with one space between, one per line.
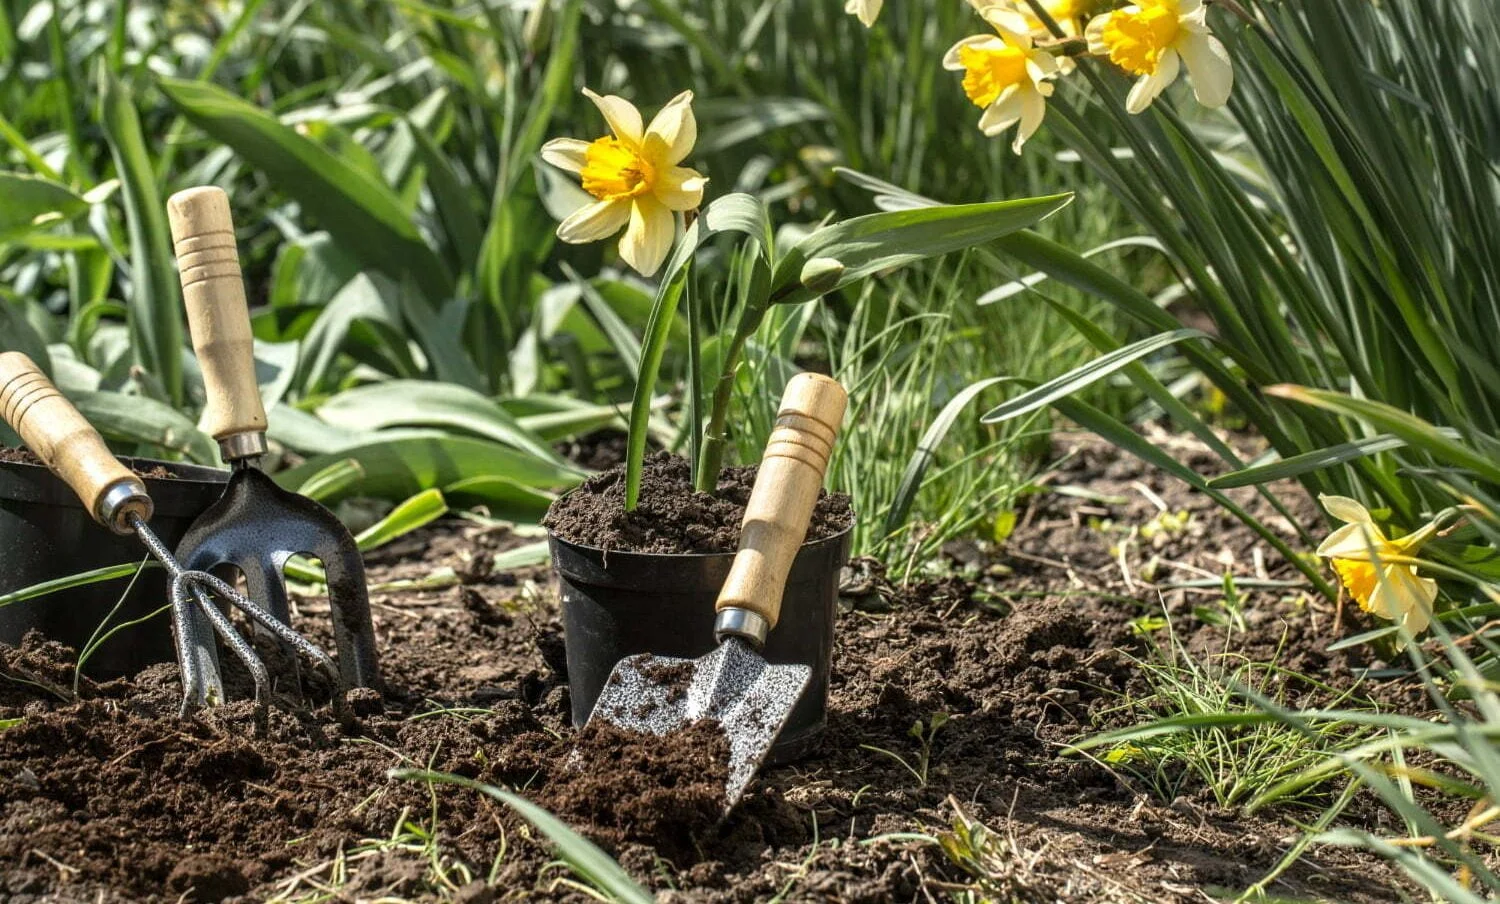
821 275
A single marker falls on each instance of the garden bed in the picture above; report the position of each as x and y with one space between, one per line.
109 797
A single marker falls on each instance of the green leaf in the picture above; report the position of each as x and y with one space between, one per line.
739 213
503 497
33 203
1086 375
332 480
581 855
922 456
81 579
397 468
155 293
421 509
426 404
1298 465
1417 433
884 241
137 419
366 218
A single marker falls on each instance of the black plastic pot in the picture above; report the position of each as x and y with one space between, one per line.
618 604
46 533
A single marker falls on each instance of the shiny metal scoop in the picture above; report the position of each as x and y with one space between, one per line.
733 685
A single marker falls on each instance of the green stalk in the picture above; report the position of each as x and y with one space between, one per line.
715 439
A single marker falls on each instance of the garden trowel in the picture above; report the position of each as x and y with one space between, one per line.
734 685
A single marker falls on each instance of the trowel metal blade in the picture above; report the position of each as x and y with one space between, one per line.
733 685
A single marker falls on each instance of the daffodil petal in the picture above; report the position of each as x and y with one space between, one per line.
1208 68
649 236
566 153
1040 64
866 10
1403 596
1094 33
680 188
1149 87
979 42
673 131
1003 113
1352 541
623 118
1033 109
1010 24
1345 509
593 222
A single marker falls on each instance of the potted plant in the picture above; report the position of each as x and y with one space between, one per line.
641 550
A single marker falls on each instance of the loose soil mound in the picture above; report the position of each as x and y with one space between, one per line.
672 516
109 797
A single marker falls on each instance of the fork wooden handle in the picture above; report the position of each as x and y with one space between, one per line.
68 444
785 493
218 317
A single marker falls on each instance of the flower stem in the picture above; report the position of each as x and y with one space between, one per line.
715 439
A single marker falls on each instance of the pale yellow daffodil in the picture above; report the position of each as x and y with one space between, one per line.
1068 14
1373 567
1153 39
866 10
1005 75
635 178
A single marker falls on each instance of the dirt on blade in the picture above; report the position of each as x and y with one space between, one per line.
672 516
110 797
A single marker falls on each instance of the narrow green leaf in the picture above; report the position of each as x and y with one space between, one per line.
921 458
581 855
82 579
421 509
138 419
397 468
1298 465
155 294
426 404
883 241
1086 375
363 214
33 203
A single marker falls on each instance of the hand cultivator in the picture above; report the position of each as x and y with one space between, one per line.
117 498
734 685
256 526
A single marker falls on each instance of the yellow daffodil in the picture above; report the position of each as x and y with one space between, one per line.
1153 39
634 176
1068 14
1368 563
866 10
1005 75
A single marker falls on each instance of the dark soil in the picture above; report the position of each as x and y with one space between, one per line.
24 456
672 517
111 798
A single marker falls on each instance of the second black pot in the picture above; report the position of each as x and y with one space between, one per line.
46 534
618 604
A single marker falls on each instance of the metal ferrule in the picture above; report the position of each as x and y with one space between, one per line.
242 445
735 622
120 501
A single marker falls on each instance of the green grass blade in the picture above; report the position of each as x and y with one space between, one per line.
926 451
1081 377
581 855
155 296
1297 465
82 579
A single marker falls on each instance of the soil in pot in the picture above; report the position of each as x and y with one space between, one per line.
24 456
672 517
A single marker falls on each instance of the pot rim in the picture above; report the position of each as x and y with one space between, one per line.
187 473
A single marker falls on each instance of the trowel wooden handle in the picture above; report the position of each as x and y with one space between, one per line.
785 492
69 445
214 293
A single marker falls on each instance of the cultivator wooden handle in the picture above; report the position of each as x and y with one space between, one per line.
219 319
782 501
69 445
